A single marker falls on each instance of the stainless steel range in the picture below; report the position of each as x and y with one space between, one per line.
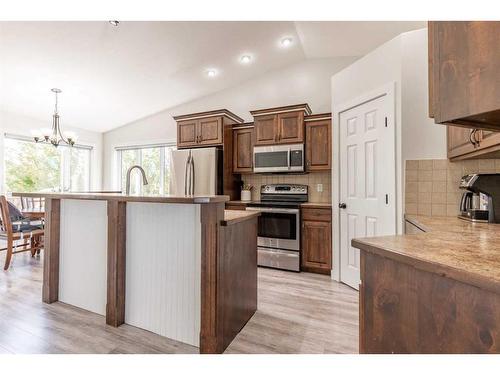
279 225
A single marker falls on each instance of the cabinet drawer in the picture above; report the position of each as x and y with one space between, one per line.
317 214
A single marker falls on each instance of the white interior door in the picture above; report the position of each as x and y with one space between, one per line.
367 179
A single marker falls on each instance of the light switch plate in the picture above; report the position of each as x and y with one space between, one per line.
319 188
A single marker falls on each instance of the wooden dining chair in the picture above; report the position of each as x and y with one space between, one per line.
32 207
21 236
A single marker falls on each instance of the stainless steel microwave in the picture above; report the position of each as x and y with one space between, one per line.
279 158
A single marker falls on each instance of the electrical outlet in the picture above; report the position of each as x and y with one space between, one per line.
319 188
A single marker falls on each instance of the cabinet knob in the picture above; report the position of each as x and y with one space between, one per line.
343 206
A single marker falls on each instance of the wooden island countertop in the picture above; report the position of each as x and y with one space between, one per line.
232 217
120 197
451 247
148 252
437 291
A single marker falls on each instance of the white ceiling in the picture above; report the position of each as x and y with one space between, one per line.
111 76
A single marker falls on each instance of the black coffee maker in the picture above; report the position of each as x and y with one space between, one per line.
481 200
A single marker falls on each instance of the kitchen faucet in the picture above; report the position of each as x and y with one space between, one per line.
144 179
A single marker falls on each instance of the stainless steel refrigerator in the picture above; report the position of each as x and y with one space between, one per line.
196 171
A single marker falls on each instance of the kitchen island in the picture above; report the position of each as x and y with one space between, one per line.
433 292
167 264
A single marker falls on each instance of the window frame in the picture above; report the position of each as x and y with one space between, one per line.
65 161
138 148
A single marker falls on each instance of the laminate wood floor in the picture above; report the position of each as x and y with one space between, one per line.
297 313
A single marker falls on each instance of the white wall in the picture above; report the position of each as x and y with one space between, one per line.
18 124
304 82
402 61
422 138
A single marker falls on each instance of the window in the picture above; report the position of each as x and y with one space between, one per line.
155 159
31 166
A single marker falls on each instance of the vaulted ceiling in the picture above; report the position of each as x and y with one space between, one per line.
111 75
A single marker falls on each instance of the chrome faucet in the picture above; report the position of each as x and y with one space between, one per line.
144 179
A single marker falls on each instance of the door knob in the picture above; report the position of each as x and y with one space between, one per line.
342 205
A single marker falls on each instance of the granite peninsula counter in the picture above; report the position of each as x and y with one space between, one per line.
433 292
167 264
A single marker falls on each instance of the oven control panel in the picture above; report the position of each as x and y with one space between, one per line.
284 189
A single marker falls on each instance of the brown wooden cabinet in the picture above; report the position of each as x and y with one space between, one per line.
204 129
317 240
280 125
407 307
291 127
187 133
465 143
318 142
266 129
243 148
209 129
464 73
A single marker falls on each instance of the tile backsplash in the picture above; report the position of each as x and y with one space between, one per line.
431 186
310 179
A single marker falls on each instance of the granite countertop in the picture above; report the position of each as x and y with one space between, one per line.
233 216
451 247
193 199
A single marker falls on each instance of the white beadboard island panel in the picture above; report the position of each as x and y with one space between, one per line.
83 254
163 269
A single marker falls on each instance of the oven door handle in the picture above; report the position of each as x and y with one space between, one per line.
271 209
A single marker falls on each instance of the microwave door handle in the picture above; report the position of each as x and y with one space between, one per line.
289 158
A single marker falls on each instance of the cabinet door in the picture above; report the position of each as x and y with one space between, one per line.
466 72
291 127
243 150
318 145
210 131
459 142
316 246
186 133
489 139
266 130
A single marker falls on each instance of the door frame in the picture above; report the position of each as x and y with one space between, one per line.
388 90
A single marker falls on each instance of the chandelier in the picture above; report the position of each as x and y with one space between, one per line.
54 136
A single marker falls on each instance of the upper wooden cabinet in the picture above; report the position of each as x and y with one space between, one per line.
210 131
204 128
464 73
280 125
318 142
243 136
266 129
465 143
187 133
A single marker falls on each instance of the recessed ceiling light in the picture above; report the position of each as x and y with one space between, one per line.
245 59
285 42
211 73
114 23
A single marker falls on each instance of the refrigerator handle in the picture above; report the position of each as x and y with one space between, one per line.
186 174
192 176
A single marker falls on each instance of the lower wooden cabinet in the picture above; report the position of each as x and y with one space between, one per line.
316 240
